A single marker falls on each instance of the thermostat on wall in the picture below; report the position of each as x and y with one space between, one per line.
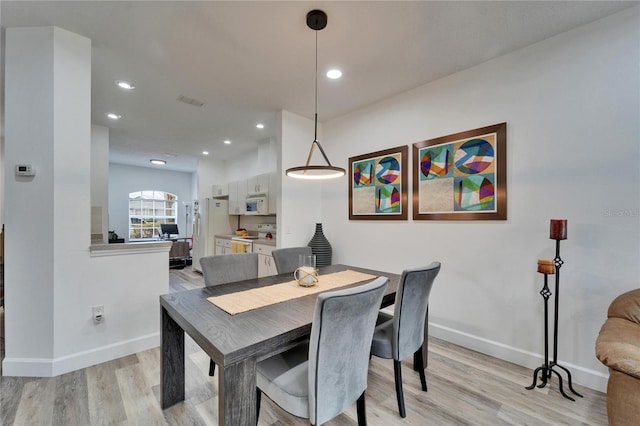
25 170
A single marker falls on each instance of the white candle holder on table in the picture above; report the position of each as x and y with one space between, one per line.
306 275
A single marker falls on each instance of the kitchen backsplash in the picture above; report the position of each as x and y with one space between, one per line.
250 223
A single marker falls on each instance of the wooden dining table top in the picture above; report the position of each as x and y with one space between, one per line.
261 332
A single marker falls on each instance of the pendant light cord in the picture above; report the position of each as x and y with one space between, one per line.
315 129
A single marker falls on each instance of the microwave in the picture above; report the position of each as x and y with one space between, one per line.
257 205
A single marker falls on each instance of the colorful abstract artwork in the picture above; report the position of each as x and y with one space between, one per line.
378 185
461 176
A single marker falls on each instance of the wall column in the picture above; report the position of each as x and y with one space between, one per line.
47 216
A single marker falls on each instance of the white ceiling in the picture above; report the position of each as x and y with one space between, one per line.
248 60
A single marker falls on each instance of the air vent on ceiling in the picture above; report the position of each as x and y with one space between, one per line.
190 101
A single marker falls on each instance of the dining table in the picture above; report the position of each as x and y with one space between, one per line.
236 343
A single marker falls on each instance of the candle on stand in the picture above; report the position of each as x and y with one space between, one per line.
306 276
558 229
546 266
558 232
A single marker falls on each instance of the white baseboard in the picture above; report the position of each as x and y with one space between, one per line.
580 375
44 367
41 367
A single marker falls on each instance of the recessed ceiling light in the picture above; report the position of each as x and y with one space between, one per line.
170 155
227 142
260 126
334 74
114 116
205 152
125 85
158 162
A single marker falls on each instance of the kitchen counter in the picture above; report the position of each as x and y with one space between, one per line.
129 248
264 241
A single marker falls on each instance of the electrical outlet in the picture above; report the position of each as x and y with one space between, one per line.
98 313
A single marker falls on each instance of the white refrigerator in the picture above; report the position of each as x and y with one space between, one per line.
210 218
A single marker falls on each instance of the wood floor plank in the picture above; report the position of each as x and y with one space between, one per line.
513 416
208 411
36 403
71 405
549 408
186 413
497 387
200 387
105 401
149 360
185 279
10 395
497 367
140 405
470 405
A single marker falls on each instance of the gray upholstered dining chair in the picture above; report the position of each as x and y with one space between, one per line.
287 258
228 268
403 334
318 380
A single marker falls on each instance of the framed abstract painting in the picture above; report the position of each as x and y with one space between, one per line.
461 176
378 185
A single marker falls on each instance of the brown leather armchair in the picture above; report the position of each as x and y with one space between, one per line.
618 347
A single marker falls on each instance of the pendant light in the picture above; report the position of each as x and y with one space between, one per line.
316 20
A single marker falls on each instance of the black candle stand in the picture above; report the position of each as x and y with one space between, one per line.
548 368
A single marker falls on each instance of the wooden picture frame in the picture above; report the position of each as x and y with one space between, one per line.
461 176
378 185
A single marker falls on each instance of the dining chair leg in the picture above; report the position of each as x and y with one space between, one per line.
362 414
212 367
397 366
420 364
258 397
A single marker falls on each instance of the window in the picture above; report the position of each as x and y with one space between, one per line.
148 210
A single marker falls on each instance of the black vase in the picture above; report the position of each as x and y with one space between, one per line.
320 247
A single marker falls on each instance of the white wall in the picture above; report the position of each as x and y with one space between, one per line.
300 205
252 163
125 179
51 281
100 177
571 104
29 233
2 164
128 286
210 172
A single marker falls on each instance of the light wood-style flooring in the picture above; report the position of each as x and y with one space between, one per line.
465 388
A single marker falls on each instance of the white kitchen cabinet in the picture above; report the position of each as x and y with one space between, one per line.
220 190
223 246
237 197
266 265
266 183
258 184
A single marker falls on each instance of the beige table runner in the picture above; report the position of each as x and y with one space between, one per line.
243 301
